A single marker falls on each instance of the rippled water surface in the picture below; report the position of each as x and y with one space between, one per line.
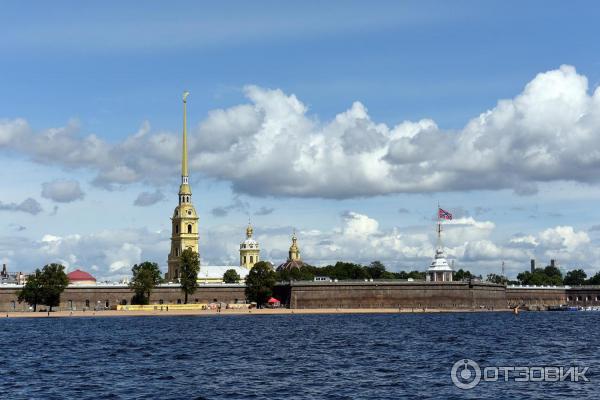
295 356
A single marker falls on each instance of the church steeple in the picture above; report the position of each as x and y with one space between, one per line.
184 222
185 192
184 155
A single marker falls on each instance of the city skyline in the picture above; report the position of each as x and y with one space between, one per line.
350 133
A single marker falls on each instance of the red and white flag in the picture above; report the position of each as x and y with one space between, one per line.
443 214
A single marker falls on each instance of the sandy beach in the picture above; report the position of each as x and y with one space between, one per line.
207 313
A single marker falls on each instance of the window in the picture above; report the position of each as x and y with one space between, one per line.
189 212
107 304
190 228
87 303
176 228
244 259
251 259
161 301
178 301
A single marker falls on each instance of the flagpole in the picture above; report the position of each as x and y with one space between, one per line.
439 227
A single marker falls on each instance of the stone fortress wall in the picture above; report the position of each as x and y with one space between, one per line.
344 294
107 296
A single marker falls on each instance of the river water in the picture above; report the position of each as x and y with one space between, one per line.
293 356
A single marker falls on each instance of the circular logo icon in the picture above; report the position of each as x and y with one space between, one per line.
465 374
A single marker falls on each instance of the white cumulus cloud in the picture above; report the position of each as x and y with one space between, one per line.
273 146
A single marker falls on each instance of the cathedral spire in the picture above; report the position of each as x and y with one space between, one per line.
184 155
184 222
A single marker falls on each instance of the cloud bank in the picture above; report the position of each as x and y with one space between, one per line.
273 146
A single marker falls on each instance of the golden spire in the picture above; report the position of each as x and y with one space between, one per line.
184 159
249 229
294 253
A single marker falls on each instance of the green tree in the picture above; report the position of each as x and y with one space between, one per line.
594 280
553 274
53 281
32 291
417 275
231 276
189 264
343 271
462 275
260 282
539 277
376 270
304 273
575 277
146 276
497 279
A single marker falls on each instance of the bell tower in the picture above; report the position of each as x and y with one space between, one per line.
184 223
294 253
249 249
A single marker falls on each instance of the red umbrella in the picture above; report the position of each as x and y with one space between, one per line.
273 300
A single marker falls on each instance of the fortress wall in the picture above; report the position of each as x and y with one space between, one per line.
583 296
77 297
536 297
448 295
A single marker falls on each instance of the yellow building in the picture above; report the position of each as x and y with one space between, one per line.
249 250
294 253
184 223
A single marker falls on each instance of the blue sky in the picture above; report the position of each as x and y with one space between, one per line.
107 69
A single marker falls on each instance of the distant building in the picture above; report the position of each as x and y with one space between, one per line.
214 273
294 260
79 277
15 278
439 270
249 250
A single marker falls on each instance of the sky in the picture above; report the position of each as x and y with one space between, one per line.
348 122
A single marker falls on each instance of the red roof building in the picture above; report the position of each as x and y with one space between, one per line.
79 277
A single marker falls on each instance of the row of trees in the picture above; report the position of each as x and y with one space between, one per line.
551 275
344 271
